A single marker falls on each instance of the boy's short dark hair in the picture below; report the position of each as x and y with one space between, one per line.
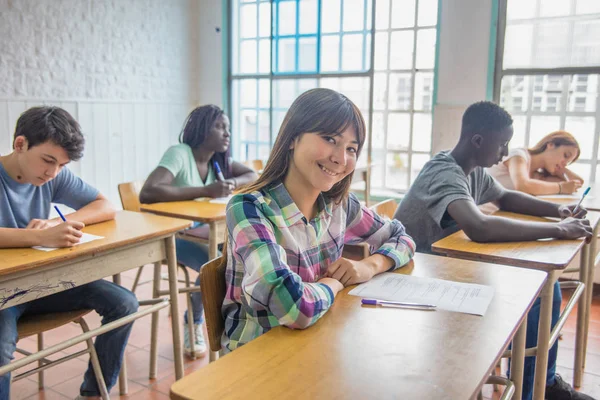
51 124
483 118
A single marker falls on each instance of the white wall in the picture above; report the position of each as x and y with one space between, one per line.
125 69
462 65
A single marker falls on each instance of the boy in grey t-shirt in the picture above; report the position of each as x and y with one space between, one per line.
445 196
31 178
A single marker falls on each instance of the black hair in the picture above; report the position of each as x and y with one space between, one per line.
196 127
51 124
483 118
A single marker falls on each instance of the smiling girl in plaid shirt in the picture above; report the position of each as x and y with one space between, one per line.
286 232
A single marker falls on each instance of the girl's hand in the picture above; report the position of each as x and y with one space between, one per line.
568 187
350 272
42 223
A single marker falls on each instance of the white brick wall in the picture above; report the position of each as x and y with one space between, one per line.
126 69
108 49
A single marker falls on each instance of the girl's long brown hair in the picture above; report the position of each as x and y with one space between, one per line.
322 111
558 138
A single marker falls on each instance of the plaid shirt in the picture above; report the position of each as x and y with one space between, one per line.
275 258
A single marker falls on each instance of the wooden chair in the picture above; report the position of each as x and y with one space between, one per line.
129 193
257 165
38 324
386 208
212 284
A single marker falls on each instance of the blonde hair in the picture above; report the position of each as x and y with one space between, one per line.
322 111
558 138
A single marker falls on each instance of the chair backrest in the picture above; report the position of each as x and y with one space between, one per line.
386 208
257 165
130 195
212 284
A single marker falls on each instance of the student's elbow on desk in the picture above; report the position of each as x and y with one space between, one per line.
479 232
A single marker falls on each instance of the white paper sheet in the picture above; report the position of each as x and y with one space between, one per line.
87 237
217 200
565 196
461 297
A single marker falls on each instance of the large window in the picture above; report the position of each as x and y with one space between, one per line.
282 48
547 73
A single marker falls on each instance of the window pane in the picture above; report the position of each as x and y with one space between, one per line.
263 152
264 57
378 131
421 132
286 55
398 131
286 20
428 12
264 27
403 13
264 93
355 88
307 57
583 170
354 15
380 90
587 7
378 170
514 93
586 43
519 129
520 9
583 93
381 51
247 127
284 93
397 171
423 91
248 93
251 153
264 128
583 129
330 16
401 50
426 49
352 52
554 8
248 57
400 89
308 16
541 126
418 162
517 45
248 21
330 53
382 14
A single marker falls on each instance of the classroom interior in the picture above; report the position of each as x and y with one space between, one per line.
130 71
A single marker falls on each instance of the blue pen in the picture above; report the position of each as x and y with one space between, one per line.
582 197
218 171
59 213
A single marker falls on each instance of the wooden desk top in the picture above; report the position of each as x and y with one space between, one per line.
545 255
364 352
591 201
127 228
200 211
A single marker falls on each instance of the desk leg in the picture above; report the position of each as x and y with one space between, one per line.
123 374
591 273
213 241
541 359
155 317
582 315
517 361
172 264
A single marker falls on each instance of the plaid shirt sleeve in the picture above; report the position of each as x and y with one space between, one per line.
388 237
268 283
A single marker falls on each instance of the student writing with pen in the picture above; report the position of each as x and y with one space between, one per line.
286 232
32 177
199 166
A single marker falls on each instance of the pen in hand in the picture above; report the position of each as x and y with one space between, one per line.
218 171
60 214
581 200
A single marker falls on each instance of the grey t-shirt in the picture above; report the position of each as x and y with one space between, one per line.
22 202
442 181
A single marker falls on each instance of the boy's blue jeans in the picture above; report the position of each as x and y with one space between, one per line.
109 300
533 319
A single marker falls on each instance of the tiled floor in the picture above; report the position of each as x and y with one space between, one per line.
63 382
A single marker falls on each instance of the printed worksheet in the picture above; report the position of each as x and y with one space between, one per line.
87 237
217 200
461 297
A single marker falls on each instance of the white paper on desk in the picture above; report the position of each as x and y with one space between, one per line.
461 297
216 200
87 237
564 196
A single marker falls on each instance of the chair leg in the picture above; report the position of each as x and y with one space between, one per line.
137 279
40 340
154 326
95 362
498 366
190 310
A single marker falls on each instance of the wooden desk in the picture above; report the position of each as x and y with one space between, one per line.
552 256
199 211
591 201
363 352
130 240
